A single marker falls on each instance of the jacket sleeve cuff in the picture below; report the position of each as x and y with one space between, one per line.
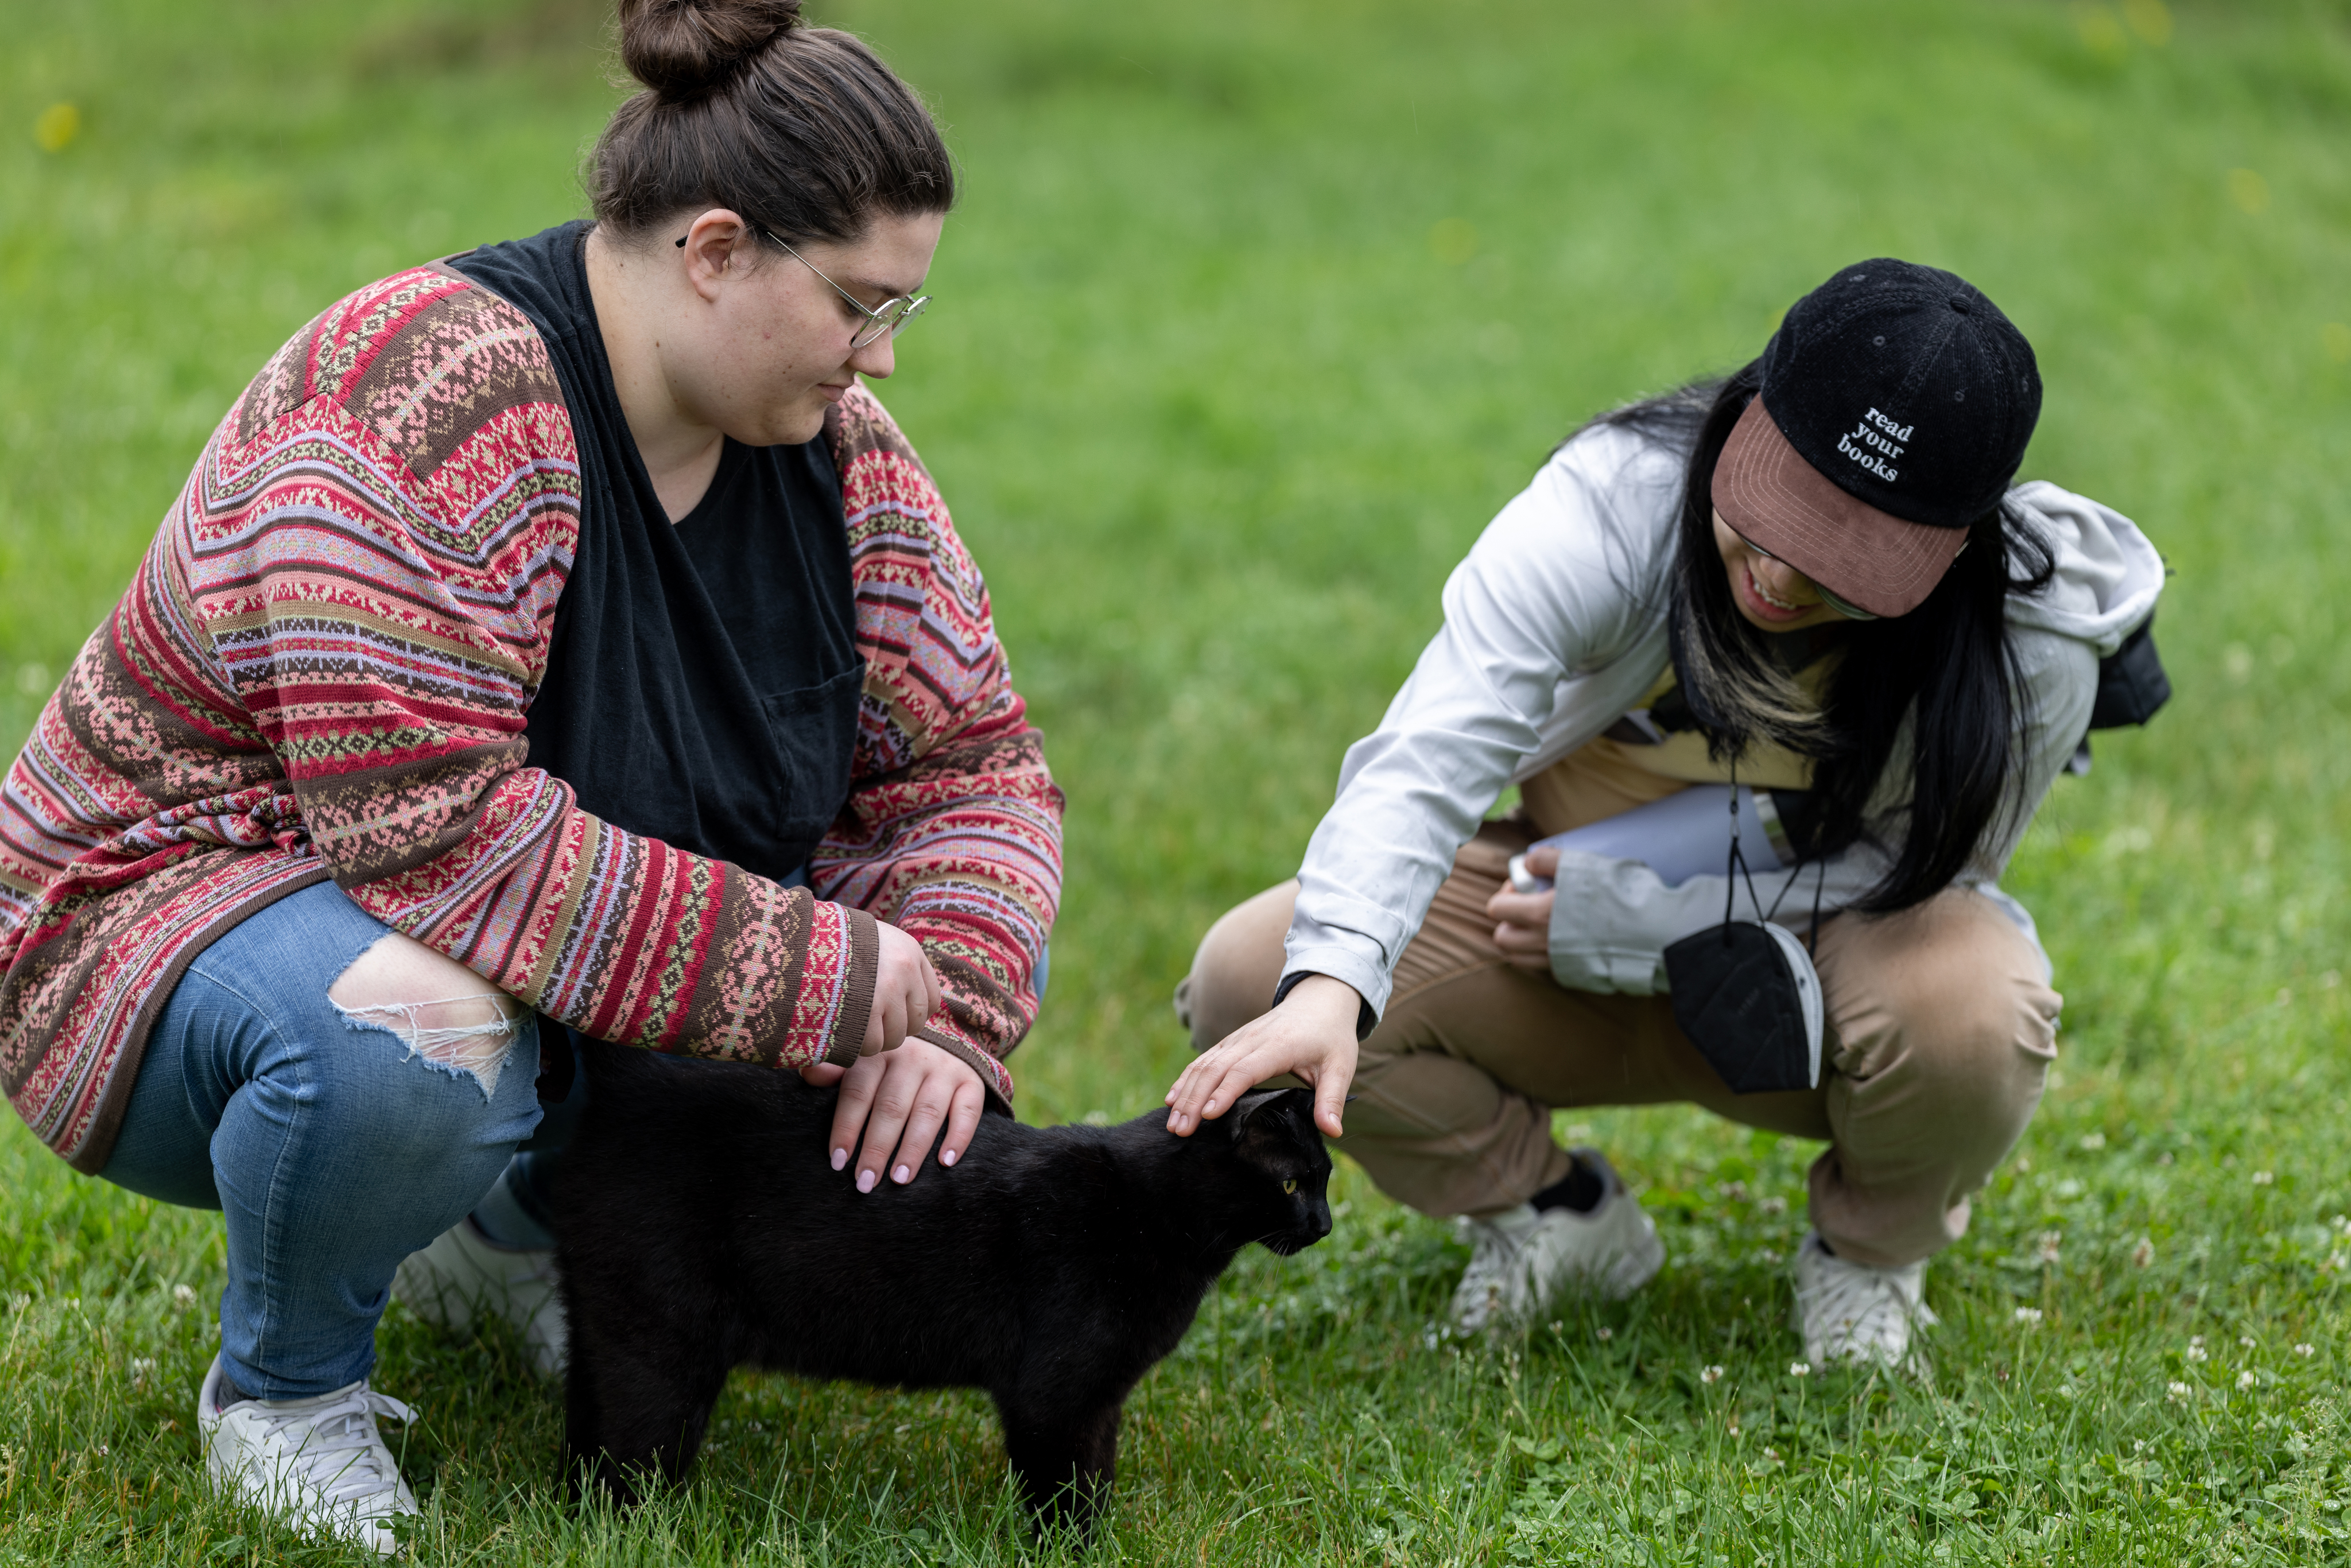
857 987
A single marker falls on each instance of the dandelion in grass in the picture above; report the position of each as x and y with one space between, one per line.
2177 1392
2029 1316
1710 1375
1800 1369
2305 1351
2143 1255
2246 1379
2264 1178
2051 1240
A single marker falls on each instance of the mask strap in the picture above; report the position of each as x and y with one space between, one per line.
1738 863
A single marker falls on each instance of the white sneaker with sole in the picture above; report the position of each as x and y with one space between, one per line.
1851 1311
463 1275
1526 1258
317 1462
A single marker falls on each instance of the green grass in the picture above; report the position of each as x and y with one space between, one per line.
1250 320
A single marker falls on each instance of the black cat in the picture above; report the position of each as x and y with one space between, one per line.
703 1227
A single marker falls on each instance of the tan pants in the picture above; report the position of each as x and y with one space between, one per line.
1940 1033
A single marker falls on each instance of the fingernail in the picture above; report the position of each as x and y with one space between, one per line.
865 1181
946 1157
901 1175
1209 1107
840 1158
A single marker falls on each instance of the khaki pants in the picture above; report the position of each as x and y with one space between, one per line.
1940 1033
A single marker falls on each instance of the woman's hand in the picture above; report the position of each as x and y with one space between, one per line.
906 992
1311 1034
897 1100
1522 928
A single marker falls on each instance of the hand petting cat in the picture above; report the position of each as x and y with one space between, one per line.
1310 1036
902 1087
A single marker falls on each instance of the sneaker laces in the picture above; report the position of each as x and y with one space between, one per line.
342 1459
1853 1304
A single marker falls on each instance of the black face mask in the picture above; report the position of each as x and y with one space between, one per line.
1746 993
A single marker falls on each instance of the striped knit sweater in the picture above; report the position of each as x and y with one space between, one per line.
321 669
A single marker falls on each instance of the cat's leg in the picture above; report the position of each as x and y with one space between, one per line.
635 1410
1066 1461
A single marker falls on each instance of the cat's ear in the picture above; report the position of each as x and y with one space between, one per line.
1250 1104
1263 1100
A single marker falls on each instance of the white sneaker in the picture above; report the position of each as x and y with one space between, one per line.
1851 1311
1525 1258
465 1274
317 1462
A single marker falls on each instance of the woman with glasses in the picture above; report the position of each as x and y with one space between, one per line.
555 639
1815 579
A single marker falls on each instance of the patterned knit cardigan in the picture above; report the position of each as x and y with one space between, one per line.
322 670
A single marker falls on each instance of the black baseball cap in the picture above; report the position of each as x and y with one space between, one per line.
1895 405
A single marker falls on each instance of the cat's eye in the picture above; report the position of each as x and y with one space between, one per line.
1289 1186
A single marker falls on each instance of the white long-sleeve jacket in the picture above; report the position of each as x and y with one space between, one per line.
1555 627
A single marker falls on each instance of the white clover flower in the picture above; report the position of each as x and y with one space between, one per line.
2029 1316
2177 1391
1775 1206
1710 1375
2094 1141
2245 1379
2142 1254
1605 1334
2305 1351
2248 1341
1800 1369
2196 1353
2263 1179
2050 1241
183 1296
142 1367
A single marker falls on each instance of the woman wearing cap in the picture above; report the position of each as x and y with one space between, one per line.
1814 578
556 639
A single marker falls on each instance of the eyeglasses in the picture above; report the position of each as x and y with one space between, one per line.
1850 612
886 322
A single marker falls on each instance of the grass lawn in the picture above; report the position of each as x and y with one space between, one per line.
1250 320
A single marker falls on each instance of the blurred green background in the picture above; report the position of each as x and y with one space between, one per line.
1249 319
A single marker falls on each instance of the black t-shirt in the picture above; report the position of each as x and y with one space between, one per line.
702 682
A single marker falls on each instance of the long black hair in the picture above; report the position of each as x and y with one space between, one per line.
1947 666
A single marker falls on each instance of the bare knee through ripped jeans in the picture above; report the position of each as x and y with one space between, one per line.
443 1011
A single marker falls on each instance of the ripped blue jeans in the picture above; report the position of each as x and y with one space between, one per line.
332 1144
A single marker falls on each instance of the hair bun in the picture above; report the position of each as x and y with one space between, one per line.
682 48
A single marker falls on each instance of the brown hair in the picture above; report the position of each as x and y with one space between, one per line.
801 130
